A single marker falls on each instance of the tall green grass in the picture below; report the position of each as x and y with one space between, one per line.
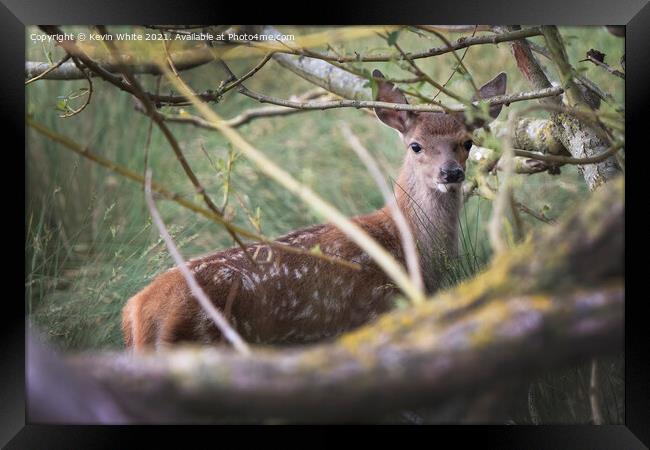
89 241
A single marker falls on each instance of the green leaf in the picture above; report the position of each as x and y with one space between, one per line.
62 104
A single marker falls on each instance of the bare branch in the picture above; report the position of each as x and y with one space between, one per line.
559 159
496 100
579 139
245 117
185 60
604 65
43 72
89 92
457 45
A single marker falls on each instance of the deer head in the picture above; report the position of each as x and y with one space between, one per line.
437 143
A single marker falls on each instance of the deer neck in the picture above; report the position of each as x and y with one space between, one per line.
434 218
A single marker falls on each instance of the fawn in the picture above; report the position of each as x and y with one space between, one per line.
297 298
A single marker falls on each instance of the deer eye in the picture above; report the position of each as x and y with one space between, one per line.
415 147
468 145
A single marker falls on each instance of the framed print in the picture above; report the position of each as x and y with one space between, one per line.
355 219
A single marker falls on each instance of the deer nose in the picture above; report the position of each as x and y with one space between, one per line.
453 175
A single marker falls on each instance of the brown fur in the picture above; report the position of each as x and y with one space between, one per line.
293 299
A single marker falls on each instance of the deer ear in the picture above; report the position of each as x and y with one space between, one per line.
496 86
387 92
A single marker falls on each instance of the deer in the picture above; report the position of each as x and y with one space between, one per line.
297 299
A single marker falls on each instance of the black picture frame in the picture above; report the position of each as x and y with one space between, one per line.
635 14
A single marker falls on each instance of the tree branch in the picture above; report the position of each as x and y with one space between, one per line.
459 44
578 138
184 60
313 105
605 66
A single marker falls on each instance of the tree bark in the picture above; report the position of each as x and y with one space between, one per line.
543 304
580 139
535 135
323 74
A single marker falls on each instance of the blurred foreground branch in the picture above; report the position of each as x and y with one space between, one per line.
542 304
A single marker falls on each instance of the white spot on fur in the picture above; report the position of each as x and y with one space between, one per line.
247 283
306 313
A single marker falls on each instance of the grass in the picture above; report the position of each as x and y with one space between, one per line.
89 240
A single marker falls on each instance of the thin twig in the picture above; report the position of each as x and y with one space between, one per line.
219 320
168 57
453 72
457 45
491 101
74 112
431 81
185 60
458 59
243 118
247 75
537 215
605 66
50 69
149 132
560 159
